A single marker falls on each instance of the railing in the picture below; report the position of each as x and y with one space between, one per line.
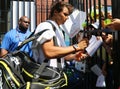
96 10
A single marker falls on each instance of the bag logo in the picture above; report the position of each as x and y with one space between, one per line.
15 60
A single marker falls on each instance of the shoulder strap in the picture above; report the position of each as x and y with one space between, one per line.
33 37
56 44
30 39
54 28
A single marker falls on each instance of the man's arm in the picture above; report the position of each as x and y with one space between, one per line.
115 24
3 52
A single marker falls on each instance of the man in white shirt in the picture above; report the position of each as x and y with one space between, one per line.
44 47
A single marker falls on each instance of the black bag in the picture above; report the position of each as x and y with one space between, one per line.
46 76
11 77
18 70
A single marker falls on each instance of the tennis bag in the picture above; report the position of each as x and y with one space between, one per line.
19 72
10 76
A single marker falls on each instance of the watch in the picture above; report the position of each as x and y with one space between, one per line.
75 46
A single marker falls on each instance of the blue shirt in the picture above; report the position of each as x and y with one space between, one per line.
13 38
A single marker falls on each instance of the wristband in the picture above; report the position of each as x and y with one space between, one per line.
75 46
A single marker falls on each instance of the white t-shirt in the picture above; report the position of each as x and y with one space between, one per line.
38 54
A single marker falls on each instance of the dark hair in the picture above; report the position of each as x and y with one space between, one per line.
59 5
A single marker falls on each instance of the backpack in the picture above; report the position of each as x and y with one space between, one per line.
10 73
18 71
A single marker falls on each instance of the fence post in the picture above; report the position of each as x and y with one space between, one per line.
116 45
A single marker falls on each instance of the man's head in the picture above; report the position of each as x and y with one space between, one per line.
60 12
23 23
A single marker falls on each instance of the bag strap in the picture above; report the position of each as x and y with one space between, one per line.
56 44
33 37
39 72
44 64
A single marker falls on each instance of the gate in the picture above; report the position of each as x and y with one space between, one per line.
97 11
116 46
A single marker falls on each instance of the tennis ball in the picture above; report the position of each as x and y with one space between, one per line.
84 24
107 22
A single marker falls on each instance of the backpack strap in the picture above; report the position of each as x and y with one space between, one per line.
44 64
33 37
39 72
56 44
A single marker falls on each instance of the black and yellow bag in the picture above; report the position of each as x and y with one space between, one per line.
10 78
19 72
41 73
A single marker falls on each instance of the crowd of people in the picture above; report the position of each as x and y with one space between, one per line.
51 44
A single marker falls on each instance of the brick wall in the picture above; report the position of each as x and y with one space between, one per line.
43 9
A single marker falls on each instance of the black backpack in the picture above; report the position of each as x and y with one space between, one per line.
18 71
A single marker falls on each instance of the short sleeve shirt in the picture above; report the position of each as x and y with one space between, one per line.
13 38
38 54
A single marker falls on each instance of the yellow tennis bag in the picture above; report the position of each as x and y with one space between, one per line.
17 71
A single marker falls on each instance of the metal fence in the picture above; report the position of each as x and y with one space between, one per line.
96 11
116 45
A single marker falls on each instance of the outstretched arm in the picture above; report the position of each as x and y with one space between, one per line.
115 24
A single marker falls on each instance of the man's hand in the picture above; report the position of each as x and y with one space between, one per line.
83 44
115 24
80 56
